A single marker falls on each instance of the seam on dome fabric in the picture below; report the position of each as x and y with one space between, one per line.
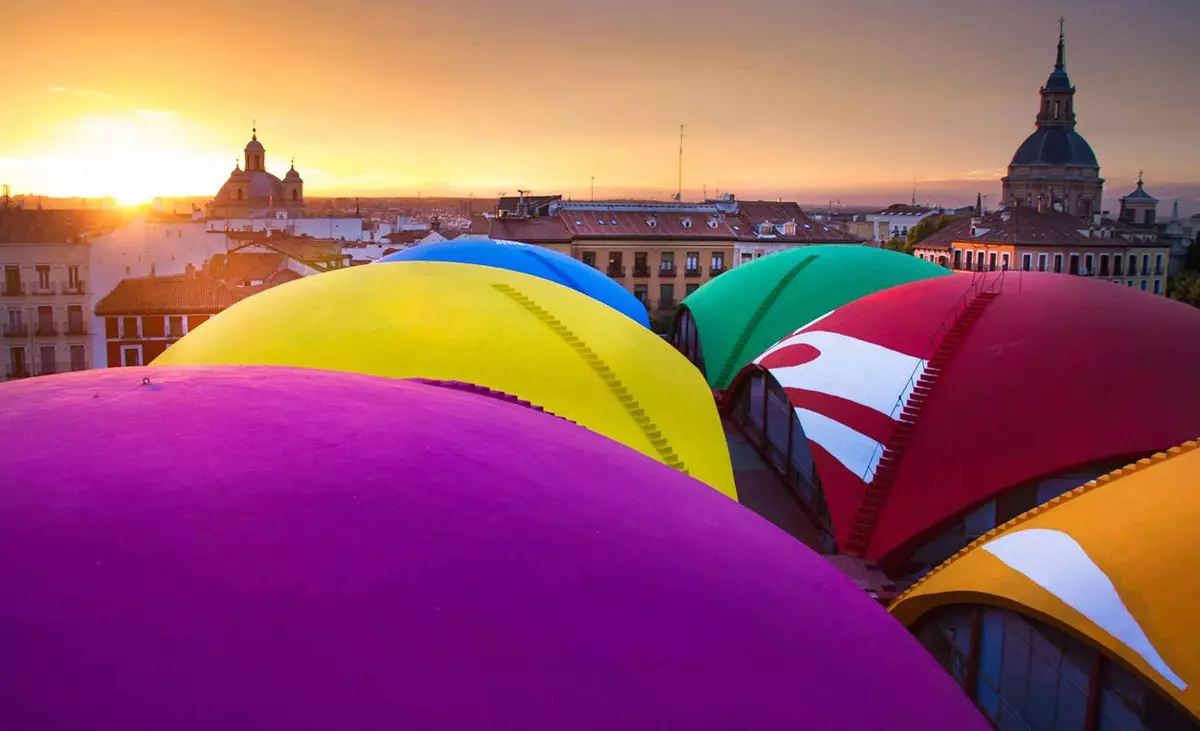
604 372
768 301
1083 489
475 388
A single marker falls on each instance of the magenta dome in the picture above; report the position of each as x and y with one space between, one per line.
229 548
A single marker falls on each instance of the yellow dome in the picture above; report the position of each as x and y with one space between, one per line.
1112 562
511 332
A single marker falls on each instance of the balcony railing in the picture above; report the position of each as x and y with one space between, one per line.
616 270
715 270
693 272
666 304
46 291
46 330
12 290
16 331
76 328
666 271
76 288
641 271
19 371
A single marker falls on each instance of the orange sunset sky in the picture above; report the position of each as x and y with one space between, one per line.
783 97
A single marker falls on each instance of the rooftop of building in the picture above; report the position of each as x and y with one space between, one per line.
60 226
1023 226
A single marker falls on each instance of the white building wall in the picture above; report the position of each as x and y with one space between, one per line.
139 249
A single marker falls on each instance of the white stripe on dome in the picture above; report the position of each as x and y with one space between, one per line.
856 370
858 452
1056 562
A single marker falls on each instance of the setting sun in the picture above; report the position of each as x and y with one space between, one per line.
130 157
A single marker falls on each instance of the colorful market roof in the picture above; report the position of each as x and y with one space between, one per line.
537 261
294 548
744 311
1113 562
952 390
512 332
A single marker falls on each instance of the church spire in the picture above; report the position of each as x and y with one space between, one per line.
1061 63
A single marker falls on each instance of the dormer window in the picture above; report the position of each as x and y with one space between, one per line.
600 221
651 223
613 221
788 229
578 222
712 223
686 223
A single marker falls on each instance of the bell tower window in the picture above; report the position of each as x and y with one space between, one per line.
239 194
295 194
1056 110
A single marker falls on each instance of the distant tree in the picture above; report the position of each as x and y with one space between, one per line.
1185 287
898 244
927 228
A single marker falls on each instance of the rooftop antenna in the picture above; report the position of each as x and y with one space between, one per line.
6 193
914 191
593 189
679 190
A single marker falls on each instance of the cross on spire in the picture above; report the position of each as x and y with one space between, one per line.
1061 22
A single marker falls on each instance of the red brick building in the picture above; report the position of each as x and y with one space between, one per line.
143 316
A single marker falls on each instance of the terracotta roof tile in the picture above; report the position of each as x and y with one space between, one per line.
547 229
19 226
752 214
177 295
624 224
1023 227
244 269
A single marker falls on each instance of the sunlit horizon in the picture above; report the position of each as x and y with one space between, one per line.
872 104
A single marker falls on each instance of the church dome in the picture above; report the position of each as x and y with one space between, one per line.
264 185
1055 146
254 145
237 172
292 176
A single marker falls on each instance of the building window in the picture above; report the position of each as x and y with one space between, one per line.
239 193
43 275
692 261
667 266
616 265
17 366
295 194
1087 265
73 278
747 257
589 258
1004 262
75 320
1073 267
1157 286
1026 261
640 266
1118 262
1145 264
970 258
1131 283
718 262
992 261
131 356
1041 262
666 297
1143 285
78 358
1158 264
1104 265
692 287
642 293
1058 263
48 360
958 258
129 327
45 321
175 324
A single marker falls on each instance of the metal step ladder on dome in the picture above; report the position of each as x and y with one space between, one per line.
662 447
876 494
735 353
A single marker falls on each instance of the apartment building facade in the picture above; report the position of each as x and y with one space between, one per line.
45 298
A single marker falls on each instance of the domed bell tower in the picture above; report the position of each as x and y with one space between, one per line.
293 188
255 153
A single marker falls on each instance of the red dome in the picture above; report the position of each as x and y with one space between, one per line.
927 419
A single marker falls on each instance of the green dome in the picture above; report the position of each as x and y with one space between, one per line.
749 308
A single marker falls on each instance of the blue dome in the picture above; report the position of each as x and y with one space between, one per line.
535 261
1055 146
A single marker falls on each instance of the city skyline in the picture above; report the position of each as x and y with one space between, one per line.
802 102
